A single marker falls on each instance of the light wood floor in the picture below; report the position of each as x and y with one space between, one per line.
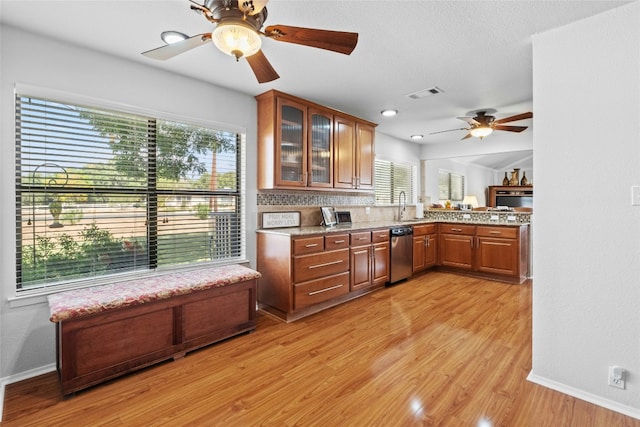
438 350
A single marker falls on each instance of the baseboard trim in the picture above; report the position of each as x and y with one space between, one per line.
20 377
582 395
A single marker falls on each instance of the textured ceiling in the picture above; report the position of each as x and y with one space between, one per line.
477 52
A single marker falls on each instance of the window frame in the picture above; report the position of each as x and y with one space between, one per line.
449 179
157 116
394 195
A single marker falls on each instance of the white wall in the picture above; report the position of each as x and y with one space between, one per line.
27 336
477 178
586 294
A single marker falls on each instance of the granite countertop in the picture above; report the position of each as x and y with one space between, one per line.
475 218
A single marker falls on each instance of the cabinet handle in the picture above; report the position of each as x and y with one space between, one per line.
326 264
495 232
311 245
427 242
361 238
325 290
338 241
456 229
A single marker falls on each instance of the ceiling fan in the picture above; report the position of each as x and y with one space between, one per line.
238 33
484 123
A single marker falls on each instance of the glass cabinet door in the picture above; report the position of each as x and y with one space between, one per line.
321 146
292 141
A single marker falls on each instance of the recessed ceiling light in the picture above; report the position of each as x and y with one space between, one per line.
415 137
173 37
389 113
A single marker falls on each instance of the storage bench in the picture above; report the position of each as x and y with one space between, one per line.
106 331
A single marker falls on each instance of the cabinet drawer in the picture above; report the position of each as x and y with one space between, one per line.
378 236
503 232
308 245
457 229
361 238
316 291
314 266
336 241
421 230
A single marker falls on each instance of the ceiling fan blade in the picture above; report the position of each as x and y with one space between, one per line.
450 130
262 67
514 118
466 136
470 120
169 51
510 128
336 41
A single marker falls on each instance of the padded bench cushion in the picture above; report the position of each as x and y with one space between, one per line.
96 299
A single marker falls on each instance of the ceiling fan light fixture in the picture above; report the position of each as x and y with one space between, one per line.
236 39
170 37
389 112
481 131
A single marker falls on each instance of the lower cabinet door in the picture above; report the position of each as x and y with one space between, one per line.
361 267
419 249
430 251
456 251
320 290
381 263
498 256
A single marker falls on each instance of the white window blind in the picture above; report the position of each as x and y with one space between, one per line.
391 178
450 186
101 192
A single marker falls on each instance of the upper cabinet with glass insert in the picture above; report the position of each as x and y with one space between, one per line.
296 144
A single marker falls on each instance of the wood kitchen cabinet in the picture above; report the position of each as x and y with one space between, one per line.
361 260
381 257
369 259
456 247
425 238
498 252
303 145
354 154
305 274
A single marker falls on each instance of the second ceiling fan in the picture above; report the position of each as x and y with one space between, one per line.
238 33
484 123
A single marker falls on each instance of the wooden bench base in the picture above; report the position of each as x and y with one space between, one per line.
95 348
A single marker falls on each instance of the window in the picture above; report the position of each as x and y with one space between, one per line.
450 186
101 192
392 178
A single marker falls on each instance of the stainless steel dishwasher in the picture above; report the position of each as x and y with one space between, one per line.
401 253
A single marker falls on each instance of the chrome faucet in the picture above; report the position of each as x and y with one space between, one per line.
402 205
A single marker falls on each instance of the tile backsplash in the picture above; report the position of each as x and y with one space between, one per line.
362 207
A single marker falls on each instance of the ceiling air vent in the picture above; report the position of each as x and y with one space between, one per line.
425 92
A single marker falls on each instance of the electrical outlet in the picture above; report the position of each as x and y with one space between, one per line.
367 210
635 195
616 377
